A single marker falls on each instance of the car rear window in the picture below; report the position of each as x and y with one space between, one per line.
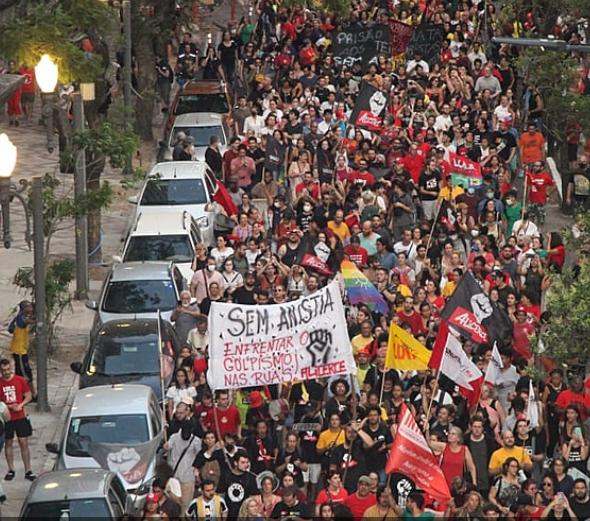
174 192
188 103
139 296
68 509
175 248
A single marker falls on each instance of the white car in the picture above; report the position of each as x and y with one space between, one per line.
180 185
163 236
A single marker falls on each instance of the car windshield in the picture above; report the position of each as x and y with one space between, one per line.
189 103
139 296
201 135
176 248
174 192
125 429
68 509
115 356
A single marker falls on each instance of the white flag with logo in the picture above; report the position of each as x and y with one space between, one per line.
448 357
532 412
494 367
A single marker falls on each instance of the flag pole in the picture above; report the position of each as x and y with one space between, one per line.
354 418
439 206
523 209
162 383
432 398
383 385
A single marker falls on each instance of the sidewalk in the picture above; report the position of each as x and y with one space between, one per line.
33 160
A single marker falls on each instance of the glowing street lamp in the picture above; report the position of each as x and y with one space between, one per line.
46 74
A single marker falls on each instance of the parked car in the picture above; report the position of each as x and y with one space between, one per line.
126 351
200 126
138 290
201 96
163 236
76 494
186 185
123 414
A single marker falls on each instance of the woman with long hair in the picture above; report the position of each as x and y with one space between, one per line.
548 489
565 483
574 447
181 389
250 510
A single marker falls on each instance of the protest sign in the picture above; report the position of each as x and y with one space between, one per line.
400 35
370 108
264 345
361 44
427 38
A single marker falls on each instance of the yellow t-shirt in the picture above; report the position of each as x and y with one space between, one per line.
342 231
501 455
19 344
329 439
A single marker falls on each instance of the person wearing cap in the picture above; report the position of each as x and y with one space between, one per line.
209 506
360 498
152 508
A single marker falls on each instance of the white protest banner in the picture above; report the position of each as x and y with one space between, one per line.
264 345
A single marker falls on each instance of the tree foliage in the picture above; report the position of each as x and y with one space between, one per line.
555 75
568 301
56 29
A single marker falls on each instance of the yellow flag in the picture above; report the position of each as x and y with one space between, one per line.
404 352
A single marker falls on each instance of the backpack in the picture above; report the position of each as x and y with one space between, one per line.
211 470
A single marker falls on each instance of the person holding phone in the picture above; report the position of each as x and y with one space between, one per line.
575 442
559 508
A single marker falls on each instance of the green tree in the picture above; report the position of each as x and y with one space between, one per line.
555 75
568 302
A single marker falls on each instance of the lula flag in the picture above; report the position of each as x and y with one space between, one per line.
494 367
131 462
532 412
471 311
450 359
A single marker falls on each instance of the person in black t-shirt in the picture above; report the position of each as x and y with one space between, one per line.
377 439
290 506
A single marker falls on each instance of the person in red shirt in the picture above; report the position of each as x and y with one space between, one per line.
414 162
228 417
575 396
522 332
313 189
356 253
361 499
362 177
540 186
409 315
27 91
15 393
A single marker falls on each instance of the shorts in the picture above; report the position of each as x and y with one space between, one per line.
21 427
312 474
22 366
27 97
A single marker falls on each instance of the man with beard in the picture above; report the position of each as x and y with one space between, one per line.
508 450
183 414
245 294
579 501
289 252
238 485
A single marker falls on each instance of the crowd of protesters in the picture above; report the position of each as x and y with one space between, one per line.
332 191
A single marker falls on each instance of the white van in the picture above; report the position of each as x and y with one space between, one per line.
122 414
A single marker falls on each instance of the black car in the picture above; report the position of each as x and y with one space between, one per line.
126 351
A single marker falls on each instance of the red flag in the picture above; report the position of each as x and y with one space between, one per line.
462 165
222 197
317 264
411 455
472 395
450 359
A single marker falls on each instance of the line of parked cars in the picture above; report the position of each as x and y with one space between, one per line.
131 350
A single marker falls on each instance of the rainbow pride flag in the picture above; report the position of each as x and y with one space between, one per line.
360 290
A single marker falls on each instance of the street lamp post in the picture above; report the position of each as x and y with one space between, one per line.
46 74
9 191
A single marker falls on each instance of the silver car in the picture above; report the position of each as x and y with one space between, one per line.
200 126
138 289
76 494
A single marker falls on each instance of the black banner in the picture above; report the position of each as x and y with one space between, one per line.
428 39
274 158
369 108
361 43
470 311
